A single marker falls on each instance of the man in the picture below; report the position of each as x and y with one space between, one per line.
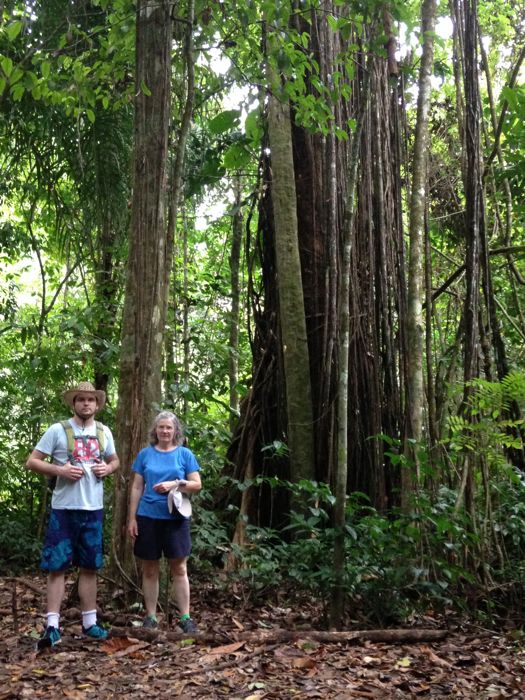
82 454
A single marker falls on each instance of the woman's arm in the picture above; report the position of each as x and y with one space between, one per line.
191 484
137 489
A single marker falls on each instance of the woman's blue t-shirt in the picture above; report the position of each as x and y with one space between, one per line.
155 466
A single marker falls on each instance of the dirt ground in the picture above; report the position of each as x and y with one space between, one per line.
246 653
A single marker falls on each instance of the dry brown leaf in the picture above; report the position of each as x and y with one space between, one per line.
227 648
130 650
115 644
304 662
238 624
435 658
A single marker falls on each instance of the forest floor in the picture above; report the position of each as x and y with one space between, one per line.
244 652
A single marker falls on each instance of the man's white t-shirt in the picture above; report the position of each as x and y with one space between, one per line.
88 492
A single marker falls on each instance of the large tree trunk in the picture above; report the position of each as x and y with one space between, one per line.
376 289
290 290
146 290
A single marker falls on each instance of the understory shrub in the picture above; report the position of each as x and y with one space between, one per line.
397 564
19 548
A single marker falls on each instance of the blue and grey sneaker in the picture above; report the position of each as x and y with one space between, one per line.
50 638
95 632
187 625
150 622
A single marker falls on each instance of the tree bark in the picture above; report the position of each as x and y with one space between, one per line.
146 289
341 471
234 315
415 392
290 289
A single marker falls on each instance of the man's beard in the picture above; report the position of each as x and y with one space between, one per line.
84 418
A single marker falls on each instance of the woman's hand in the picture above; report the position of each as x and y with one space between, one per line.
166 486
133 529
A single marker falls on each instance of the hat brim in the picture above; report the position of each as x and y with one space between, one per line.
69 397
184 508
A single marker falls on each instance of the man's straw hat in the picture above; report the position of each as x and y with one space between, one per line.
84 388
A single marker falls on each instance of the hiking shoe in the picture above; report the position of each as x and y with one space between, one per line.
150 622
95 632
187 625
50 638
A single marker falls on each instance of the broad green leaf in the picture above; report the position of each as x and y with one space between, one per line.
14 29
7 65
17 91
252 126
224 121
46 69
90 115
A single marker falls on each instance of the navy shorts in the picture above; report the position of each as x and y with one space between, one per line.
157 537
73 538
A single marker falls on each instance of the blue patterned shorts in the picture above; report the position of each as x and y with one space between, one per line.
73 538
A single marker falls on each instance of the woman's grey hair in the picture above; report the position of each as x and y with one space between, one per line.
178 435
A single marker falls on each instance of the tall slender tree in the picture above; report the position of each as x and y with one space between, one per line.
416 268
296 361
146 289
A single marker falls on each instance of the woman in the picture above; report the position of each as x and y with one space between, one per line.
164 466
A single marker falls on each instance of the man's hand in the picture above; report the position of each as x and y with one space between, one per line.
101 469
71 471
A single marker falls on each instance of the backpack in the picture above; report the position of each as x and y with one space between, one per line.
70 437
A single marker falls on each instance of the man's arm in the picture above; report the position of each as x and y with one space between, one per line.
37 463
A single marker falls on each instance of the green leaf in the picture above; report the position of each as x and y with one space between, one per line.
252 126
224 121
90 115
14 29
46 69
332 22
236 157
145 89
17 91
7 65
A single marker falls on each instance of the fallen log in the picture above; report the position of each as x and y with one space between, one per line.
272 636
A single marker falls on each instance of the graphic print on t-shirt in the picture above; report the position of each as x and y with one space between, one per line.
86 449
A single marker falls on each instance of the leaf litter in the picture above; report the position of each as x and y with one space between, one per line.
469 662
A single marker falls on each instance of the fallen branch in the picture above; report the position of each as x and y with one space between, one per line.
387 636
41 590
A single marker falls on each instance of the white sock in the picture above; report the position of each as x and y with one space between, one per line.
89 618
53 619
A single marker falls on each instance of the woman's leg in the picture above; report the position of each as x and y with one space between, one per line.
150 585
181 584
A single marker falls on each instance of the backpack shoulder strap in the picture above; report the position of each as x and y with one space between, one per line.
69 436
101 436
